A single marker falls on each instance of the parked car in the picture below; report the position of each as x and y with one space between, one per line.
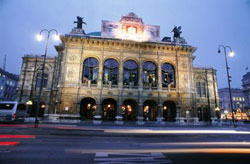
11 111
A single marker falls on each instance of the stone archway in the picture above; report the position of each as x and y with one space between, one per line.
109 109
41 109
169 111
129 110
203 113
150 110
87 108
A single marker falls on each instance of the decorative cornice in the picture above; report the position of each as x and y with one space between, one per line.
100 41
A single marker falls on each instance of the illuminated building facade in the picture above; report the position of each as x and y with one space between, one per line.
238 101
128 74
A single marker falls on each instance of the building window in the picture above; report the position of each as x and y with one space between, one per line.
90 70
201 89
39 79
149 74
110 72
130 73
167 75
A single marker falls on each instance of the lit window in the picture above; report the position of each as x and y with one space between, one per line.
130 73
149 74
167 75
132 30
233 98
110 72
90 70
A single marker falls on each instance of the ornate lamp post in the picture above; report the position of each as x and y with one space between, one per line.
39 38
228 76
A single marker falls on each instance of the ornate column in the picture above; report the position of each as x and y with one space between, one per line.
159 74
140 110
178 105
120 88
118 117
140 73
98 113
160 112
140 91
120 74
100 71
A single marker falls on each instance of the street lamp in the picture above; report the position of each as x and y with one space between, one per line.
39 38
231 54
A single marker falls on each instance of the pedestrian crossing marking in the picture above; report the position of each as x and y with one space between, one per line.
130 158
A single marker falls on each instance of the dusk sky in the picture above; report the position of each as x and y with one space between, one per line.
205 25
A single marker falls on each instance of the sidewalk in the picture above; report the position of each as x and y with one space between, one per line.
130 124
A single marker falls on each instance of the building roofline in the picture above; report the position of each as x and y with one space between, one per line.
9 75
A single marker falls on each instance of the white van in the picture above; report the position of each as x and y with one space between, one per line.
12 111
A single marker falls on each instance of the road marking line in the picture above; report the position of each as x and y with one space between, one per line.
126 158
101 154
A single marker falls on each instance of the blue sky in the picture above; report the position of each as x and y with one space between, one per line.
205 25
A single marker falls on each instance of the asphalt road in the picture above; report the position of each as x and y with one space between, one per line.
74 144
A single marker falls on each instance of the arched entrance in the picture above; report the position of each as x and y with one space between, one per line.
169 111
203 114
129 110
109 107
87 108
41 110
150 110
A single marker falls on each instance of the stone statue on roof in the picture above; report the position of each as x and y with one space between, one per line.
79 22
177 35
177 32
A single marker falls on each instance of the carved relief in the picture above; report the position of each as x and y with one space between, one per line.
72 57
71 74
110 93
185 80
184 65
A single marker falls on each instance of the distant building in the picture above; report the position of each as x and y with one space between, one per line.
238 101
8 84
246 88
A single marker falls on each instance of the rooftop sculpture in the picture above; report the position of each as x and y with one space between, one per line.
177 35
79 22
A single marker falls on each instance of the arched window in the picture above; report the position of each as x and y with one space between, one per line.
149 74
168 75
39 79
110 72
130 73
90 70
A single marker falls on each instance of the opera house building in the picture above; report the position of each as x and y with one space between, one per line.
126 72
